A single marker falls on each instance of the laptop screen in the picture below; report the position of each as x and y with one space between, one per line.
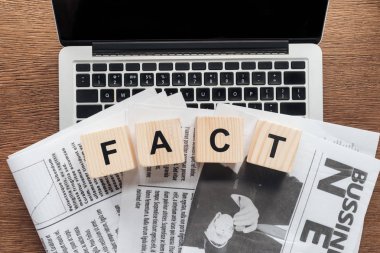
84 21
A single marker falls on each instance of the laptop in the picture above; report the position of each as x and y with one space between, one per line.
261 54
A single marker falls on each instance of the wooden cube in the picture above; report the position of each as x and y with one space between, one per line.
219 139
108 152
274 146
159 142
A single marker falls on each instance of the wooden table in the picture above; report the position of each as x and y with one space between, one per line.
29 95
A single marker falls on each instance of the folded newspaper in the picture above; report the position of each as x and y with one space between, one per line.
71 211
156 202
74 213
318 207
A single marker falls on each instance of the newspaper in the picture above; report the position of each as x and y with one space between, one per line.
318 207
363 141
72 212
147 222
156 200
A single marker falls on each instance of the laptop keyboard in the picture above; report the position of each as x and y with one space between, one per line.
275 86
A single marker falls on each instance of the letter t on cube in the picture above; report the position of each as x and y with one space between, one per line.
274 146
219 139
108 152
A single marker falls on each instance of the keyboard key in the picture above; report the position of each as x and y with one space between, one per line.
179 79
147 79
182 66
107 106
83 67
242 78
192 105
87 96
265 65
266 93
298 65
85 111
158 90
281 65
116 67
298 93
282 93
162 79
99 80
211 78
250 94
131 80
83 80
295 77
215 65
135 91
171 91
248 65
219 94
198 65
132 66
107 96
114 80
195 79
231 65
258 78
207 106
99 67
234 94
226 78
297 109
240 104
271 107
149 66
203 94
122 94
188 94
257 106
274 78
165 66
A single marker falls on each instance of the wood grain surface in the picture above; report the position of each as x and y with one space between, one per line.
29 95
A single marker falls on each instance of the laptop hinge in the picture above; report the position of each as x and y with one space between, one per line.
191 47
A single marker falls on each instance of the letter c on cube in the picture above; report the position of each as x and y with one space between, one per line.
219 139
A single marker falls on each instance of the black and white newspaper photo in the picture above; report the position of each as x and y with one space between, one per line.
240 212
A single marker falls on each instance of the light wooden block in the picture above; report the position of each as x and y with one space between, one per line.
274 146
116 155
228 133
149 134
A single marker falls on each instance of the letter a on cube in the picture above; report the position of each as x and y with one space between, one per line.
219 139
274 146
108 152
159 142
